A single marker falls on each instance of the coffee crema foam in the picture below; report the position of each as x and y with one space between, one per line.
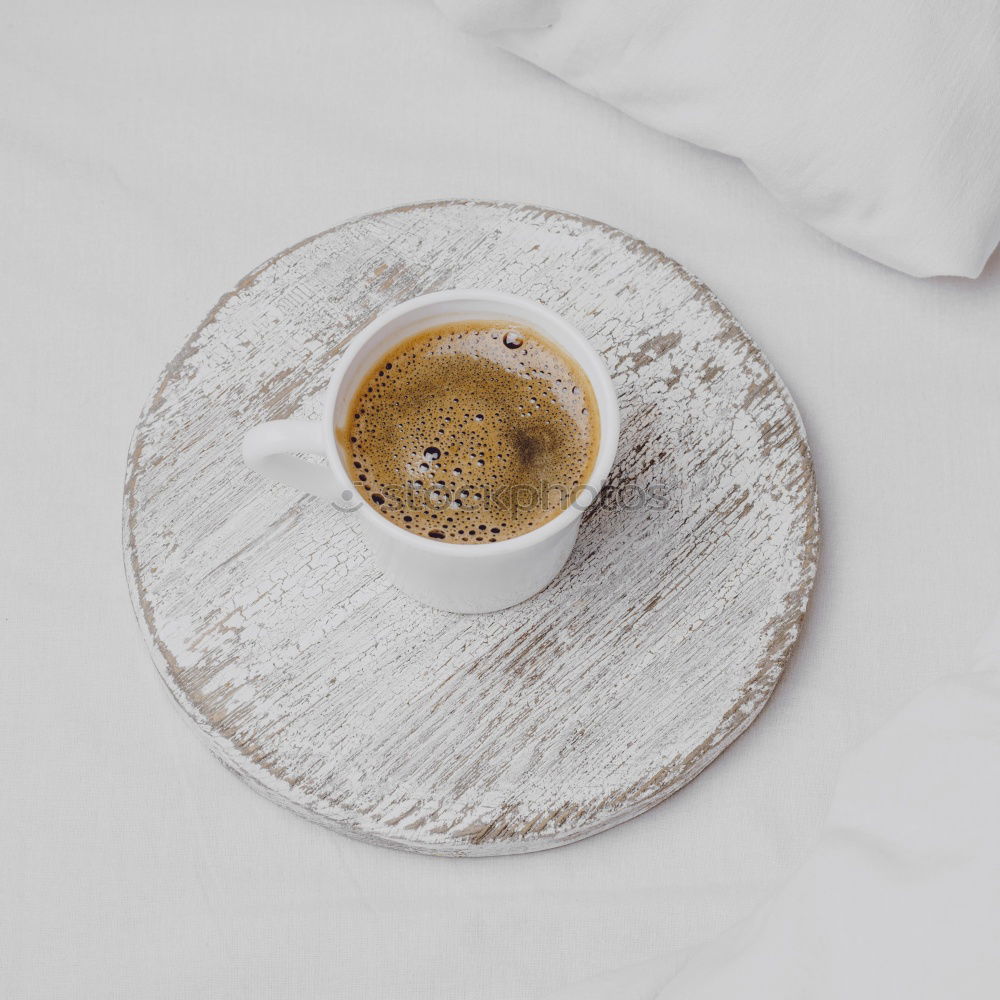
472 432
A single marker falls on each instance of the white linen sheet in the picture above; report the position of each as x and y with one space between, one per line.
901 898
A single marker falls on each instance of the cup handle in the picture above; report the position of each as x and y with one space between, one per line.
269 449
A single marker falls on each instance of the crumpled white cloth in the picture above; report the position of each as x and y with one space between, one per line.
902 895
876 122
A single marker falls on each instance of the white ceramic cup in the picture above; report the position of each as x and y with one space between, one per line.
452 577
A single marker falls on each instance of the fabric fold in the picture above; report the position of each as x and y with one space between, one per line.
876 124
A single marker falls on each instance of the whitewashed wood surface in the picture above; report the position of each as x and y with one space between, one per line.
338 697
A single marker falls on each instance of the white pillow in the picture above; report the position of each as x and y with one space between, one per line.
876 121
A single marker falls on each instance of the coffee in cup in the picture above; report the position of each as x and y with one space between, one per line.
471 432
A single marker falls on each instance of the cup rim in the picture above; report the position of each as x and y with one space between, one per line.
595 370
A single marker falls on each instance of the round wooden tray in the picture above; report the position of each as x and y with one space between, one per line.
337 696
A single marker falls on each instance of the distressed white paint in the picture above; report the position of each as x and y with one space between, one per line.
339 697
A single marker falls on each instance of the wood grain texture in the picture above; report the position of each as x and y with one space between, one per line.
337 696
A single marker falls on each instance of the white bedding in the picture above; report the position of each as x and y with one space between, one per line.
899 898
152 155
876 122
